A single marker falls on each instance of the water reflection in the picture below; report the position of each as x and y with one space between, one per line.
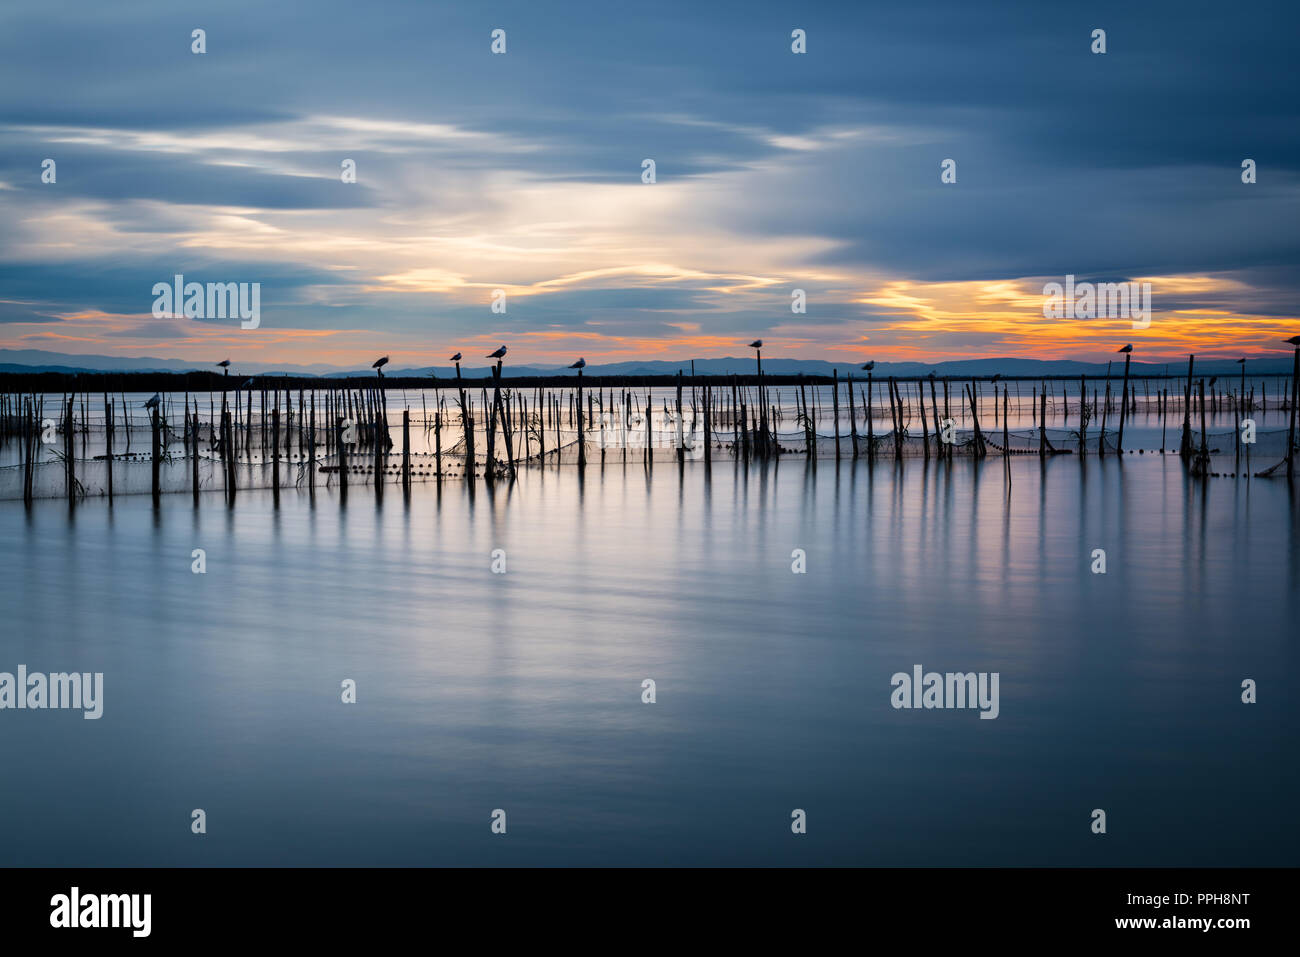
479 689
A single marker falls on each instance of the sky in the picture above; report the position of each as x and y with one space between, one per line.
523 172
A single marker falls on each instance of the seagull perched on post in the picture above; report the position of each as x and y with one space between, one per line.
455 358
499 354
1127 348
580 364
153 403
1295 341
379 364
756 344
869 366
225 366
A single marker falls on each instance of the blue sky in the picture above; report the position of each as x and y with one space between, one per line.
522 172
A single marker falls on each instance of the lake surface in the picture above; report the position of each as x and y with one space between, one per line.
523 691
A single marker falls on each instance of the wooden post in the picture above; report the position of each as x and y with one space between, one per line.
379 434
582 436
835 408
1205 450
853 416
871 428
679 437
311 448
1042 422
1105 411
649 413
1185 447
893 414
809 432
406 448
69 463
467 427
505 423
920 408
980 451
1295 393
1124 406
194 451
708 439
342 448
934 408
275 445
437 439
108 444
1006 406
157 454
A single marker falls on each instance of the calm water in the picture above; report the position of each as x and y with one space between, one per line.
522 690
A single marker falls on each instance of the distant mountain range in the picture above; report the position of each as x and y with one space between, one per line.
37 360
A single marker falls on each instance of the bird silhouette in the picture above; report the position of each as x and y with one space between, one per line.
997 376
580 364
224 363
931 374
499 354
1214 379
455 358
1295 341
869 366
379 363
153 403
756 344
1127 348
1241 361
